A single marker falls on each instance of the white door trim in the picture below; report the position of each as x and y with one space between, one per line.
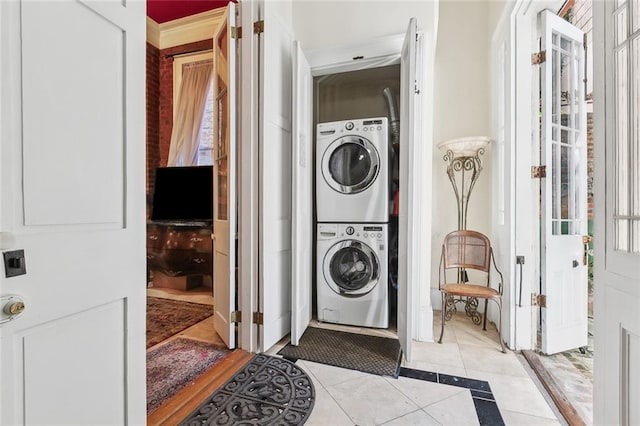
248 151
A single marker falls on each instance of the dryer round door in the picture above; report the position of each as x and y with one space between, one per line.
351 268
350 164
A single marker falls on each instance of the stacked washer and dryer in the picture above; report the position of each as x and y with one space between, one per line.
352 206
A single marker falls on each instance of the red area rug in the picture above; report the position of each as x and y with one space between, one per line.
166 317
175 365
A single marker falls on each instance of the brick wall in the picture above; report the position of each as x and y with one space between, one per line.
153 116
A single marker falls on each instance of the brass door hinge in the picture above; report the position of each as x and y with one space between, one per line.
236 316
539 300
538 58
538 172
236 33
258 318
258 27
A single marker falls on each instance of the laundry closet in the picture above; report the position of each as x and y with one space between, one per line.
356 147
354 114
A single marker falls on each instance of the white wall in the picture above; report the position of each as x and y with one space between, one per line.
322 24
462 107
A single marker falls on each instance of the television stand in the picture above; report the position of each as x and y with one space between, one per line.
179 254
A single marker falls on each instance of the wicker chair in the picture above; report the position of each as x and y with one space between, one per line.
464 250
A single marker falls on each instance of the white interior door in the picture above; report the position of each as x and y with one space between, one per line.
616 390
409 101
302 195
72 197
224 179
275 175
564 191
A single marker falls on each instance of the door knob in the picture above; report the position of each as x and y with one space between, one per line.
12 307
575 263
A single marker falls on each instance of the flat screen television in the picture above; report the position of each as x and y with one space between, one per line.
183 195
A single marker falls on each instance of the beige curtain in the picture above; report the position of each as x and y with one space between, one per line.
196 78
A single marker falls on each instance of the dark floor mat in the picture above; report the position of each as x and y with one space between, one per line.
370 354
269 390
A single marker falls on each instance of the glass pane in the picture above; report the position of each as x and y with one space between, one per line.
350 164
621 26
565 136
565 44
635 236
205 157
221 146
555 75
565 89
622 234
554 182
622 134
564 183
576 185
635 139
351 268
554 39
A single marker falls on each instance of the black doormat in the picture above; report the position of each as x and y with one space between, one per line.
269 390
370 354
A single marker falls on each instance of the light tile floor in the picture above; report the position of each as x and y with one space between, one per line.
346 397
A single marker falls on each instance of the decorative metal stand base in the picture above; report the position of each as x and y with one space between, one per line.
470 308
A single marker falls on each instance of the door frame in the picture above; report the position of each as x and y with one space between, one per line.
381 52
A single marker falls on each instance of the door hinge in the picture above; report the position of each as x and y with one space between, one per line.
258 318
236 33
236 316
539 300
538 172
258 27
538 58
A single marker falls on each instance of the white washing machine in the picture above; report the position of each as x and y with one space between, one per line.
352 171
352 274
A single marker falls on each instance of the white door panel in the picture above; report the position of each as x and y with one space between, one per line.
616 35
275 176
302 195
224 179
408 225
564 190
72 197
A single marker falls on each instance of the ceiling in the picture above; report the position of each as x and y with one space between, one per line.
168 10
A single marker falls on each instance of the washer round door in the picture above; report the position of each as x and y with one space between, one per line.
350 164
351 268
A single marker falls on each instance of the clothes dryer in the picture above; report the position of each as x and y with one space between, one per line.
352 171
352 274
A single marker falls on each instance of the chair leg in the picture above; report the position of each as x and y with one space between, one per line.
484 325
499 303
444 307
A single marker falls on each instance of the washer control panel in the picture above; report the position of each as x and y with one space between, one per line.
374 127
371 232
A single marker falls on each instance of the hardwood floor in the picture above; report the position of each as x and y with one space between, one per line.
176 409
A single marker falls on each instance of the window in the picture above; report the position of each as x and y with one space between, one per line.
626 80
205 138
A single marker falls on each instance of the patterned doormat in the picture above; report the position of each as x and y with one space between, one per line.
166 317
269 390
174 365
370 354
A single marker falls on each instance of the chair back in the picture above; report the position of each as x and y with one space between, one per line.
466 249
